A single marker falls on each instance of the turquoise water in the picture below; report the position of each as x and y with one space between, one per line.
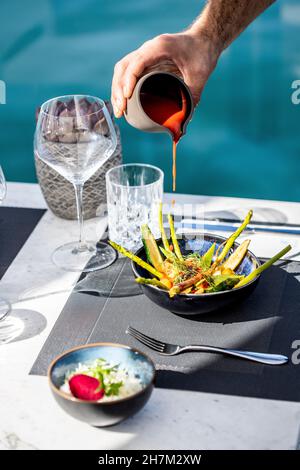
244 138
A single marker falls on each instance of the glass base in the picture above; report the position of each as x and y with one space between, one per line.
84 257
4 308
10 327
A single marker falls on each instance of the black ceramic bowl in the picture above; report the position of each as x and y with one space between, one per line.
192 304
102 414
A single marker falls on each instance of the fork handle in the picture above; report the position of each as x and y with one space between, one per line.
264 358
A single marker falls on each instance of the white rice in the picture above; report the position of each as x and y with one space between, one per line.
131 381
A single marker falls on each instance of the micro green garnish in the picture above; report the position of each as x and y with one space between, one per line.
113 389
103 372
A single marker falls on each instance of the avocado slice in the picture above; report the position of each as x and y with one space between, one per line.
153 254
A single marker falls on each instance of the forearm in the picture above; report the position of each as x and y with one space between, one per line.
193 53
223 20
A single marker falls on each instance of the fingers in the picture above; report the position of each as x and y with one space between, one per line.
134 71
126 74
117 96
150 53
130 68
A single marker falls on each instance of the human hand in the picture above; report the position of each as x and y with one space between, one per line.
193 56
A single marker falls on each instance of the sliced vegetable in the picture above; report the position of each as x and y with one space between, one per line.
202 281
184 284
85 387
263 267
167 253
173 268
237 256
151 248
162 228
166 282
152 282
224 271
193 273
187 290
233 237
136 259
224 282
173 291
208 256
220 248
174 238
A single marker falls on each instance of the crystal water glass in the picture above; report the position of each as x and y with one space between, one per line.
134 192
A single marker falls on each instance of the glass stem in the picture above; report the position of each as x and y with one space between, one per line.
78 193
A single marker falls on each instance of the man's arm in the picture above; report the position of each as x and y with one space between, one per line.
193 53
223 20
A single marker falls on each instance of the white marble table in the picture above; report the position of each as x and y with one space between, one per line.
29 416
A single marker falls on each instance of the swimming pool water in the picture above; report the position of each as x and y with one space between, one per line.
244 137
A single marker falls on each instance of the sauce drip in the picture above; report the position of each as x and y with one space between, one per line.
170 113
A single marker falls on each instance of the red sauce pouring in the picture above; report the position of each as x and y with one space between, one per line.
168 109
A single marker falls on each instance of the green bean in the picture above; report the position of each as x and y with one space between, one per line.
233 237
162 229
174 238
136 259
262 267
152 282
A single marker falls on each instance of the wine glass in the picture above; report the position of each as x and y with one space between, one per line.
4 305
75 136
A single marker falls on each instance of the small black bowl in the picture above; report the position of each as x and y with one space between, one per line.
108 413
195 304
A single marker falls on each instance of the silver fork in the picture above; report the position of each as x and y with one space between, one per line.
167 349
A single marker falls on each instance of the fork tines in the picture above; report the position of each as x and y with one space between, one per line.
152 343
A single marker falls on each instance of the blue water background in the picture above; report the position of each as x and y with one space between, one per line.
244 138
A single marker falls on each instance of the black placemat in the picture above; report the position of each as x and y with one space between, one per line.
269 321
16 225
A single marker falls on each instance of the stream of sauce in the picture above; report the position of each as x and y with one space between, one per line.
169 113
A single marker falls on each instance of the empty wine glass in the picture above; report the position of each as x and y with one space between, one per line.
75 136
4 304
